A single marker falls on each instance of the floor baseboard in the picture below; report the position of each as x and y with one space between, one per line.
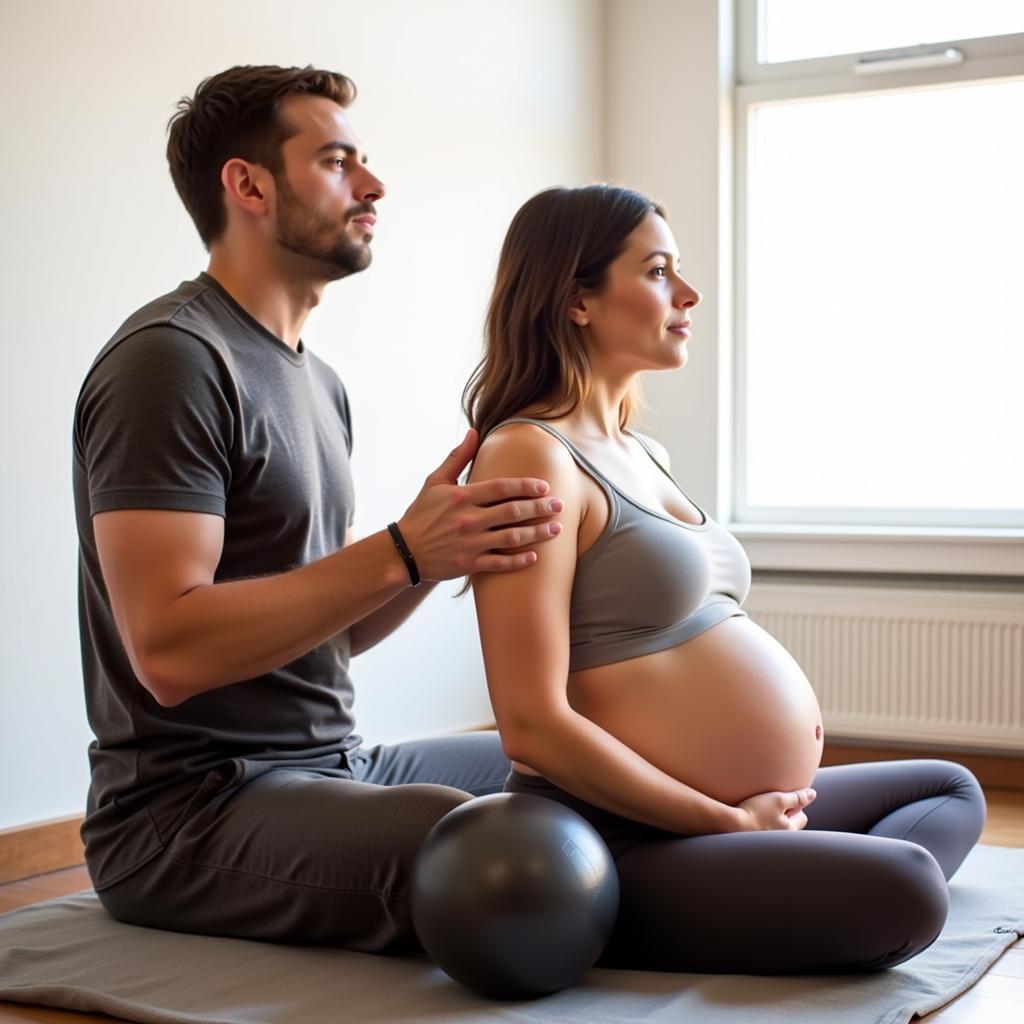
43 846
991 770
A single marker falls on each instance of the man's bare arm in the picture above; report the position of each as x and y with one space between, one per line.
379 624
185 634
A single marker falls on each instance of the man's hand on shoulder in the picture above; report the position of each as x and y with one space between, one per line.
455 530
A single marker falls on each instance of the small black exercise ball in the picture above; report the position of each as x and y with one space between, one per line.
513 895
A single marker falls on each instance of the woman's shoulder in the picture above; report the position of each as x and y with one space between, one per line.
518 448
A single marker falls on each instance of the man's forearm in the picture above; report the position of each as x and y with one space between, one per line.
223 633
385 620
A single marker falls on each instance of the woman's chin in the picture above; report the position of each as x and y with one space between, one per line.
673 357
682 356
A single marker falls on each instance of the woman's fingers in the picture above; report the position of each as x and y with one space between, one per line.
798 800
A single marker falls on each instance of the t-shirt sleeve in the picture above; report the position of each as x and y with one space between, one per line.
339 398
346 412
155 426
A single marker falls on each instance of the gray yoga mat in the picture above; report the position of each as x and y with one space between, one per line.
68 953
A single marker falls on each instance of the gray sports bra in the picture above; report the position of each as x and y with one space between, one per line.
649 582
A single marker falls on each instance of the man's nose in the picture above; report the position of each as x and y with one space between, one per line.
371 188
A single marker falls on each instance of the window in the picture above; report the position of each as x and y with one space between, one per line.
880 258
802 29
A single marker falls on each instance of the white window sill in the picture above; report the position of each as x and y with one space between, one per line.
942 551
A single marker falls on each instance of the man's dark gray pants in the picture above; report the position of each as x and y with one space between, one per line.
310 855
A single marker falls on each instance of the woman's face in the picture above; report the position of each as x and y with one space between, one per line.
640 319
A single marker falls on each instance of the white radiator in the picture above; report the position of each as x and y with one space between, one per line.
942 666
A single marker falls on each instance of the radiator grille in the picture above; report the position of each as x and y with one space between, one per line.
902 664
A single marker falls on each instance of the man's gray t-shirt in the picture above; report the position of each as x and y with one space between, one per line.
194 406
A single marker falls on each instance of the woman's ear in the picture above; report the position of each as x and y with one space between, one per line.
579 308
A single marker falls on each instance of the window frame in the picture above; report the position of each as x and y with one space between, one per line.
834 542
749 71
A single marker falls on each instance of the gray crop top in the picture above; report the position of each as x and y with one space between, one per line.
649 582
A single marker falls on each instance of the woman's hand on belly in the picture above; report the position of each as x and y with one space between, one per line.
729 712
779 810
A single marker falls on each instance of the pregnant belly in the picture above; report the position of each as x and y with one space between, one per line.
729 712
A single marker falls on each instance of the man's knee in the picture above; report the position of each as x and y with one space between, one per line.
414 809
410 811
425 804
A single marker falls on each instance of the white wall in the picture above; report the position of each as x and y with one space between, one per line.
467 107
668 136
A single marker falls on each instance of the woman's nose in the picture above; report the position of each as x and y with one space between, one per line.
686 296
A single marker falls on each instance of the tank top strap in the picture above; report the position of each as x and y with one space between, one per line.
650 451
654 458
581 460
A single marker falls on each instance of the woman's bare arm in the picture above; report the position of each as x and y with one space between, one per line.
524 630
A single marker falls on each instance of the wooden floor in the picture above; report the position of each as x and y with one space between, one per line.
997 999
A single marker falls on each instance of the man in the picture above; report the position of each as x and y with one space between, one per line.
221 591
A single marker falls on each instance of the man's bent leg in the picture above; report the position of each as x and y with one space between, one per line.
473 762
292 856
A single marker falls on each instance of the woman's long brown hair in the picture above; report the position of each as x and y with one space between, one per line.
560 243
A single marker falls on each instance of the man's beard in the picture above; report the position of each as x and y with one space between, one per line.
308 233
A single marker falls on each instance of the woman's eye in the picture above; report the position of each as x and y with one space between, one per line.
339 162
659 271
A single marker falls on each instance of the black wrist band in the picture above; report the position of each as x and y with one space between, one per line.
403 550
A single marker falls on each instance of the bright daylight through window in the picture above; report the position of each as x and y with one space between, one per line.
799 29
880 353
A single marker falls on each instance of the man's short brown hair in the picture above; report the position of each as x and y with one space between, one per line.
237 114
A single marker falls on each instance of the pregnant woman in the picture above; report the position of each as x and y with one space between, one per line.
626 680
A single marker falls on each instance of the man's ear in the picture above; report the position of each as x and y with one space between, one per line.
247 186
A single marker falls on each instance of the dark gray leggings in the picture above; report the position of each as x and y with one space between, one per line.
863 887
